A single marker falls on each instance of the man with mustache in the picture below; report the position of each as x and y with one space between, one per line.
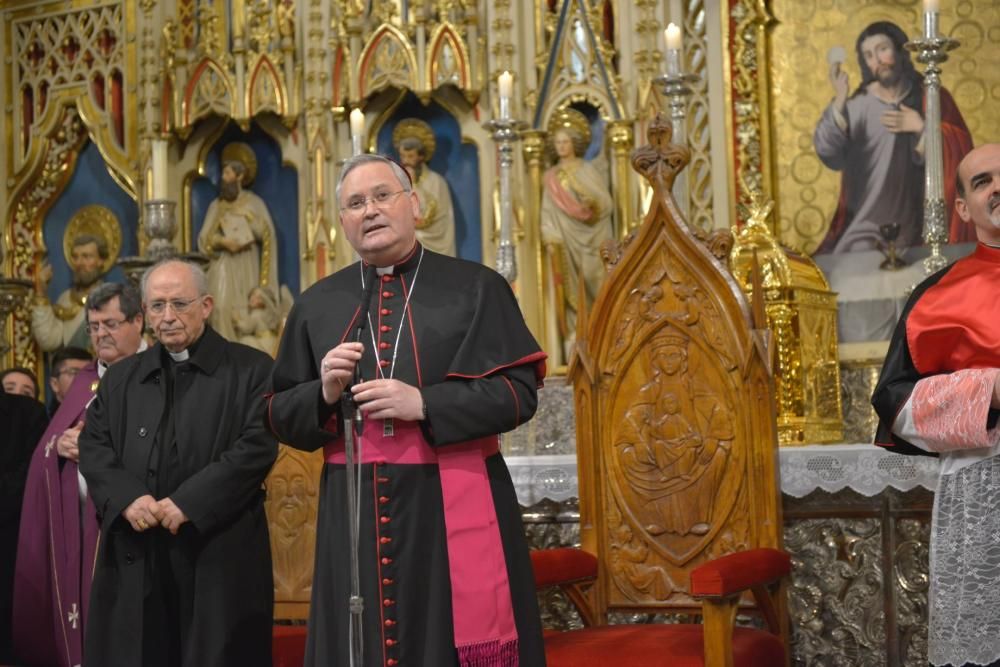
875 137
939 394
59 528
238 236
62 323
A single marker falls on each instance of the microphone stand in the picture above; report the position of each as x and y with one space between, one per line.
353 427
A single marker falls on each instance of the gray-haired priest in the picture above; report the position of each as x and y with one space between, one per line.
446 363
175 452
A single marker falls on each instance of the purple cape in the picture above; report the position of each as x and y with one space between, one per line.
56 547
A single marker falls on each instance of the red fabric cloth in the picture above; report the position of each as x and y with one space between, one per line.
953 325
739 571
656 646
288 645
563 565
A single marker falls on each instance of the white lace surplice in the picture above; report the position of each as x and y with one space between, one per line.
947 413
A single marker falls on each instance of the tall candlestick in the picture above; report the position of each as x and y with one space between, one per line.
505 85
673 37
159 168
357 131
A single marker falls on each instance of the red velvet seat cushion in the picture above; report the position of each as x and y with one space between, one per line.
656 646
739 571
562 565
288 645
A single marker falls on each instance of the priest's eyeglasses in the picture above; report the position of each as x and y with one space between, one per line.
177 305
110 326
381 200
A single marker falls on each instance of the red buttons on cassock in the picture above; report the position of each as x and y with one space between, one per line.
382 480
387 278
385 311
383 363
383 499
387 294
392 662
384 328
386 561
387 581
384 519
387 602
389 622
384 540
384 345
391 642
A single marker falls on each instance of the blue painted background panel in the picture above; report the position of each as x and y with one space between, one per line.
277 184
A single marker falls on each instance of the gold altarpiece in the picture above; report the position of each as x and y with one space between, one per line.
184 71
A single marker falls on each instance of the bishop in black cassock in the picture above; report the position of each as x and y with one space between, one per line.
447 363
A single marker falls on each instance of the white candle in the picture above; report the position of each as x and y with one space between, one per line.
159 168
505 85
357 131
673 34
930 19
673 37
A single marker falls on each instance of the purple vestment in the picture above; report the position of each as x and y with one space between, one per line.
56 547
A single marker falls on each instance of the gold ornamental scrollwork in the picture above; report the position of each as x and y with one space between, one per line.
746 32
57 156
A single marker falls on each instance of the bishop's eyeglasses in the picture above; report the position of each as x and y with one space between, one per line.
381 200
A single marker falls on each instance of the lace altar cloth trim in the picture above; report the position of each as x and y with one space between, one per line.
867 469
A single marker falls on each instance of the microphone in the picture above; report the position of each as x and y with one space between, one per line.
371 277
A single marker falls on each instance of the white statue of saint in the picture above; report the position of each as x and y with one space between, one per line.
415 144
238 236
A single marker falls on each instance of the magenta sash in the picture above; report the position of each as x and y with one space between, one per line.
481 607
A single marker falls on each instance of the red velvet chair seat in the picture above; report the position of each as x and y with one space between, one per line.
672 645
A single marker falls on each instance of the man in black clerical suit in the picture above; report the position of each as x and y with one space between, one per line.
939 394
446 363
174 452
22 422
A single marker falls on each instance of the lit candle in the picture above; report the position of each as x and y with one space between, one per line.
505 85
930 19
159 168
357 131
673 37
673 34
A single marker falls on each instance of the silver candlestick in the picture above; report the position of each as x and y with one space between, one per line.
160 225
506 131
676 87
931 51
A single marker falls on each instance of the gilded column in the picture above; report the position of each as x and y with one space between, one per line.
622 139
532 302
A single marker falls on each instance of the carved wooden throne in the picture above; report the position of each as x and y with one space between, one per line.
677 449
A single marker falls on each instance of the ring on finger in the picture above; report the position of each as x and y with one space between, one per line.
143 524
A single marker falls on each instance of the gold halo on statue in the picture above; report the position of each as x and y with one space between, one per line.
414 127
98 221
570 119
241 152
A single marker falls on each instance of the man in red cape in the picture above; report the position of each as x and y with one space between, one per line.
59 529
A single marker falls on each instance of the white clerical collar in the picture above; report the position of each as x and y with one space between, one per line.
385 270
102 367
183 355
